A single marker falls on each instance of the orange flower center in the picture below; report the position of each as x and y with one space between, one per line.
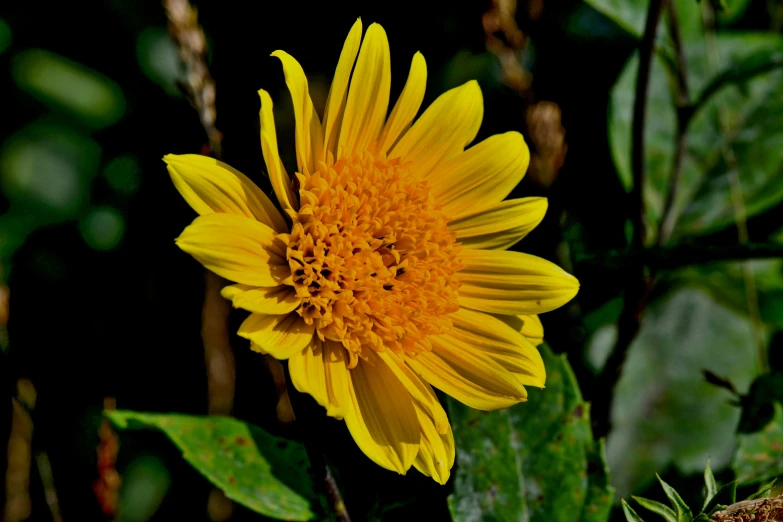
372 257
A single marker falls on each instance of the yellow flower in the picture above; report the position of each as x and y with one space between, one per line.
393 275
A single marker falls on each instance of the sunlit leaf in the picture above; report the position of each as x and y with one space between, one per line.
70 87
265 473
630 514
530 462
656 507
710 486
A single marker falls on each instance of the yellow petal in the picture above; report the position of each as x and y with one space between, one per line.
309 135
281 336
422 394
511 283
443 130
368 97
209 185
469 376
436 452
382 419
528 325
501 225
275 300
335 101
532 329
308 370
407 105
281 183
338 378
482 175
239 249
491 337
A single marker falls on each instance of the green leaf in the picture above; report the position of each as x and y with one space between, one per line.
530 462
710 486
632 14
759 455
725 282
630 514
704 199
661 390
658 508
600 493
764 490
264 473
681 509
725 496
733 11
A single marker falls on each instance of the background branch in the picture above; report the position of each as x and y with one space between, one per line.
639 282
669 216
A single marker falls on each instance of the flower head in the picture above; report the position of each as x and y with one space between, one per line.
389 275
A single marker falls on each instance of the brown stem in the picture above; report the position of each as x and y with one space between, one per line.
200 90
197 82
18 505
640 282
669 216
199 87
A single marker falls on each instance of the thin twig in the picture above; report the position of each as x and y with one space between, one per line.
669 215
639 284
737 198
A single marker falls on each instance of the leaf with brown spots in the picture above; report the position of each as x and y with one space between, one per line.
264 473
536 461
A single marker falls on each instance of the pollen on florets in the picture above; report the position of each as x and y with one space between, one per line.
372 257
